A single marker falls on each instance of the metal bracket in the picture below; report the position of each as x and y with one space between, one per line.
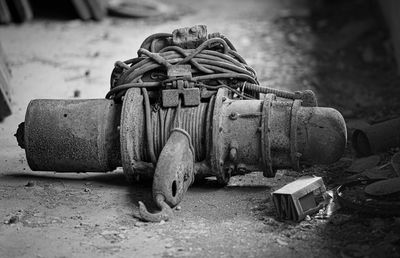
190 38
180 85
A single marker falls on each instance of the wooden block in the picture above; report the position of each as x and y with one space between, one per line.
5 100
82 9
5 15
97 9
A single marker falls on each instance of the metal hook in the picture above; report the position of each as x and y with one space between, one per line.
165 213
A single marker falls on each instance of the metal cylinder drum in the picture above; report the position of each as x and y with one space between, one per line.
269 134
229 136
72 135
241 135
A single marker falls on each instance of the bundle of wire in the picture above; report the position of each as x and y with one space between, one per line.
214 64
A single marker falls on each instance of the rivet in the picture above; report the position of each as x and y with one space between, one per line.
233 116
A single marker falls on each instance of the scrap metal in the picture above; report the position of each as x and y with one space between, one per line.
377 138
299 198
188 107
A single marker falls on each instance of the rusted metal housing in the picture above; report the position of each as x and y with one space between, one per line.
72 135
229 136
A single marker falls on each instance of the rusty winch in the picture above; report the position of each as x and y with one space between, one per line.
187 107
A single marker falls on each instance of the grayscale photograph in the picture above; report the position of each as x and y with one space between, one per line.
187 128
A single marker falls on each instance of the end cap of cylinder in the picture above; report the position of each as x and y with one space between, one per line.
321 135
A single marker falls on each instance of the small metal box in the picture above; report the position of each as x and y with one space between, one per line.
299 198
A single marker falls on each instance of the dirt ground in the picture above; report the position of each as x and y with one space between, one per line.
93 215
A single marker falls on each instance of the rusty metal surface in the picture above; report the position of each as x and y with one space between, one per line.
299 198
132 134
173 176
190 37
72 135
377 138
175 168
321 135
307 134
268 171
180 87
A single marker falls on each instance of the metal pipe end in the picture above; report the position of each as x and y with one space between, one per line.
20 135
321 135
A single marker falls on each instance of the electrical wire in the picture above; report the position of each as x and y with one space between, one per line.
214 59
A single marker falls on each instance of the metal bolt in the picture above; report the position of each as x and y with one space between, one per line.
233 116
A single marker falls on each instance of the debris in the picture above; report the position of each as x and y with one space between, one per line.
378 173
281 242
136 9
77 93
384 187
377 138
300 198
396 163
30 184
138 224
352 195
339 219
359 165
14 218
331 207
375 173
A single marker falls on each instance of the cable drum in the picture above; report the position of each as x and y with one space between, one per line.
192 120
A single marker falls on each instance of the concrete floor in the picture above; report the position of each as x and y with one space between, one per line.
92 215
